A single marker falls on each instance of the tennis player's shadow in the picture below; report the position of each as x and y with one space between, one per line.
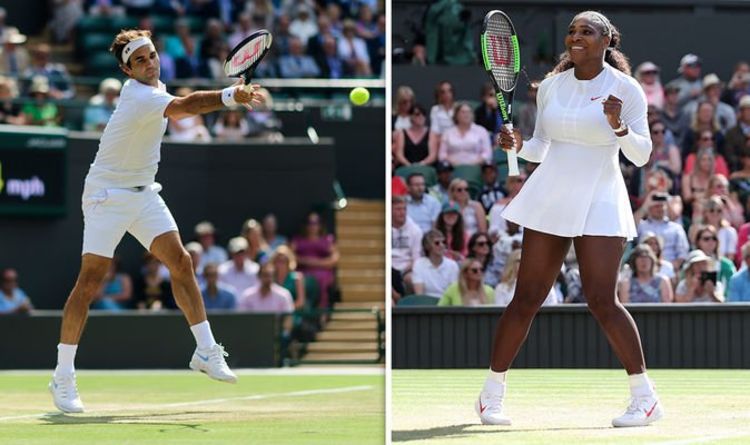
461 431
142 419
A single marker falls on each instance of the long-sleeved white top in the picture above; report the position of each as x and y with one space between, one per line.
578 189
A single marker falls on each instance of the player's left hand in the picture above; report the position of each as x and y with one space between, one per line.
612 106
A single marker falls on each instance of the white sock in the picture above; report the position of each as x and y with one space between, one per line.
495 382
640 385
203 336
66 355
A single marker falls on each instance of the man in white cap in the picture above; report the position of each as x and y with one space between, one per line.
240 272
689 81
713 88
100 108
14 59
120 195
206 236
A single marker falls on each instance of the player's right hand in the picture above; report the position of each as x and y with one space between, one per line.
508 140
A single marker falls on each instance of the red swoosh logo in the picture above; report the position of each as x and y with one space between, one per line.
595 98
651 411
481 408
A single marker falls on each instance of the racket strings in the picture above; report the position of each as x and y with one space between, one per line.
249 55
501 51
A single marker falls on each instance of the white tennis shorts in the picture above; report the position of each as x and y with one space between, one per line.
110 212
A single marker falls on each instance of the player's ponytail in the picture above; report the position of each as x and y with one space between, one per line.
614 56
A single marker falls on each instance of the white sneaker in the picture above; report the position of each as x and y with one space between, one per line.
641 412
211 362
489 408
65 393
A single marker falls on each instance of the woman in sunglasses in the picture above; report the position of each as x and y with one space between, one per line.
695 183
713 213
469 290
410 145
480 248
708 240
664 155
475 220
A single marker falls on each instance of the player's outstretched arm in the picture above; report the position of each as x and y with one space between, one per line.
201 102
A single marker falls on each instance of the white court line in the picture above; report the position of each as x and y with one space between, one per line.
323 371
211 401
705 439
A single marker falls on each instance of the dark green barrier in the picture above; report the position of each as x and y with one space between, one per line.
137 340
567 336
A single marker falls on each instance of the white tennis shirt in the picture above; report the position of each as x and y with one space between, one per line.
578 189
130 147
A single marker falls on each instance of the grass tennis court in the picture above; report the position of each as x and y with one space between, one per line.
187 408
571 407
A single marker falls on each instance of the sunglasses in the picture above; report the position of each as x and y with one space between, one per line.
657 131
709 238
474 270
461 189
706 139
439 242
417 113
481 243
714 210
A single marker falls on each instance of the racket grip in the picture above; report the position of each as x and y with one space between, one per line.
512 156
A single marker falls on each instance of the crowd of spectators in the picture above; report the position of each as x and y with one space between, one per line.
691 201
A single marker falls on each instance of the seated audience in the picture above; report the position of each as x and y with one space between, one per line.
700 284
709 241
421 207
475 220
739 284
13 300
270 234
406 239
480 248
469 290
317 256
266 296
116 291
240 272
216 295
645 284
450 223
205 232
152 290
287 276
100 108
433 272
466 143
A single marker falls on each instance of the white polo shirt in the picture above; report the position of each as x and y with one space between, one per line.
129 150
435 279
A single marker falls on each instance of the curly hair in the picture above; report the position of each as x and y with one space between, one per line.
124 37
612 55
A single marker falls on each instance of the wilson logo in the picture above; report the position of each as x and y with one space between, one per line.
501 50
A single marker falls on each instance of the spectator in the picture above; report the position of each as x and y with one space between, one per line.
718 185
315 43
441 114
216 295
672 114
712 89
411 145
739 284
486 113
317 256
243 30
739 181
656 243
466 143
333 11
117 289
58 80
240 272
354 51
42 110
258 249
262 11
513 185
231 125
702 121
13 300
406 238
713 214
506 288
281 37
402 113
266 296
205 233
706 140
287 276
14 59
738 137
304 26
182 48
475 220
480 248
663 155
709 241
739 84
65 17
468 290
152 290
491 191
195 250
330 63
674 236
656 181
526 111
695 184
421 208
105 8
433 272
647 74
689 82
644 284
450 223
211 46
188 129
10 112
444 172
269 232
700 283
297 64
101 106
507 241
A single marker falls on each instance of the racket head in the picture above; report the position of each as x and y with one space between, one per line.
500 51
244 57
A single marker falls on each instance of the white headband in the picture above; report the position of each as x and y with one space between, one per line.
134 45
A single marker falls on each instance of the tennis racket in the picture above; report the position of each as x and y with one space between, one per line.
502 61
245 57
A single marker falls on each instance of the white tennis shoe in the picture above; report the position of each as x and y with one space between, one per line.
641 412
489 408
211 362
65 393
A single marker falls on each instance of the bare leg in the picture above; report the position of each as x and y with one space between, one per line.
599 259
90 279
168 248
541 259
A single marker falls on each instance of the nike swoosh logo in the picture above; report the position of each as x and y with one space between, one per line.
651 411
205 359
481 408
595 98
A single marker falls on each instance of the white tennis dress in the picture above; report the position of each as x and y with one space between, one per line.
578 189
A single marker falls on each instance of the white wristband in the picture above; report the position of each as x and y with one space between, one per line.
227 96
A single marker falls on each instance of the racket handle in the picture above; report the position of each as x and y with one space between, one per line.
512 156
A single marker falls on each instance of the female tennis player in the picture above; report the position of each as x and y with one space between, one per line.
120 195
588 109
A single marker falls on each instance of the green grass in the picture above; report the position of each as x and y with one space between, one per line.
570 407
188 408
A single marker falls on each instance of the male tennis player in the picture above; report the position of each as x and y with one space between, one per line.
120 195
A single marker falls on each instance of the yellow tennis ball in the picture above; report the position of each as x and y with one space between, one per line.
359 96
